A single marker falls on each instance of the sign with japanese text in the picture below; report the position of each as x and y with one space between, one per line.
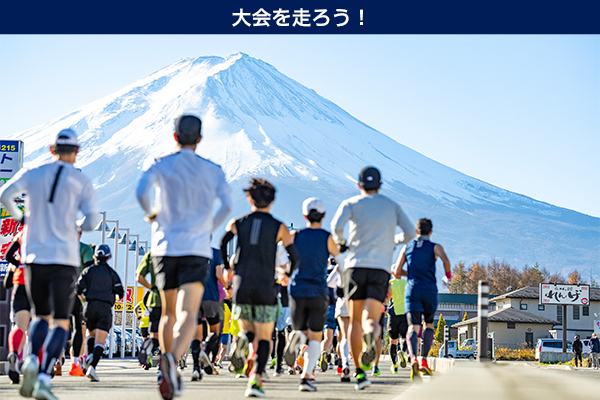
597 327
575 295
130 299
11 159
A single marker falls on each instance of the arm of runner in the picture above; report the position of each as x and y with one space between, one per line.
230 232
145 185
339 257
439 252
8 278
10 253
224 194
140 273
397 270
142 281
341 217
407 228
89 208
12 189
117 286
287 240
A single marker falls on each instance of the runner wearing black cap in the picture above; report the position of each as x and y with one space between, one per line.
56 191
98 285
255 292
373 219
182 222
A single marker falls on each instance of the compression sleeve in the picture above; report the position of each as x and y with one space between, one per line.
294 259
226 239
10 253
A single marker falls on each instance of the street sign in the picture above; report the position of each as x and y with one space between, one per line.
11 159
130 298
576 295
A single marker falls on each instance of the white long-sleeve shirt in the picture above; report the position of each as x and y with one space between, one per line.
372 222
52 201
187 186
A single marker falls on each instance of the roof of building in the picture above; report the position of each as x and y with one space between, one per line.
458 298
511 315
533 292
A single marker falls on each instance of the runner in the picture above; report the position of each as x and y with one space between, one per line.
330 328
373 219
182 223
254 296
397 323
15 278
283 318
154 307
309 295
225 332
379 342
335 280
56 191
421 291
98 285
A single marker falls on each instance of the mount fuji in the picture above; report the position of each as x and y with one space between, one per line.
259 122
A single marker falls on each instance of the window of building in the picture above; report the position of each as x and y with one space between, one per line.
541 307
510 325
523 306
559 314
575 312
586 311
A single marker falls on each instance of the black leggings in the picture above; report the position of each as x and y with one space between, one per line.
578 358
77 321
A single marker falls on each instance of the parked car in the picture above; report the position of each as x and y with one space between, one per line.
454 352
586 346
552 346
469 344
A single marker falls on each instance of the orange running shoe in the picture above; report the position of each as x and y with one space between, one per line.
76 370
57 370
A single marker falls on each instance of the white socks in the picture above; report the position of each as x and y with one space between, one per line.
312 356
345 353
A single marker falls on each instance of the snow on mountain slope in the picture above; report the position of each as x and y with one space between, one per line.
258 122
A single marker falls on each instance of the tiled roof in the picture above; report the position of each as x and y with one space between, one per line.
458 298
533 292
511 315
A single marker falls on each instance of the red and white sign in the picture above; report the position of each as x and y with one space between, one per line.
576 295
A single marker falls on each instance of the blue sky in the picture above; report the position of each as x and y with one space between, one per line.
519 112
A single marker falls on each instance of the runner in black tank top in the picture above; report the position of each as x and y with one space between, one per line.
255 301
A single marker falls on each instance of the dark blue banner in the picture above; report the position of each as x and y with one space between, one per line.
302 17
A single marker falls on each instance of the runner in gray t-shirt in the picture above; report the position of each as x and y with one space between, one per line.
371 241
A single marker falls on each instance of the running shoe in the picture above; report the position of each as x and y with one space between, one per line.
424 368
91 373
291 348
402 359
238 350
346 375
13 369
339 371
276 374
42 391
307 386
220 364
323 362
87 362
298 368
414 371
394 368
368 352
76 370
248 366
145 352
58 370
362 382
30 373
273 362
376 370
291 371
254 389
196 375
168 368
203 358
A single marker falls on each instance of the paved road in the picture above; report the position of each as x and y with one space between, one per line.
125 380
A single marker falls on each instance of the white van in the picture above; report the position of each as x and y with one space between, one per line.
552 346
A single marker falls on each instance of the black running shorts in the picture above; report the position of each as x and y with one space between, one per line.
20 301
51 289
309 313
155 314
211 310
366 283
97 315
397 326
173 272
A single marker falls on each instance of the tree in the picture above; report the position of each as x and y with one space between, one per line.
439 332
465 317
575 278
459 279
502 277
531 276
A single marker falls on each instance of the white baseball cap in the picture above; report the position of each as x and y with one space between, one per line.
66 137
313 203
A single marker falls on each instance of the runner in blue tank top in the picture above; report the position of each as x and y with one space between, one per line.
309 294
421 290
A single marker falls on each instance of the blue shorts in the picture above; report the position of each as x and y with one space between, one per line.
224 338
331 322
284 319
420 301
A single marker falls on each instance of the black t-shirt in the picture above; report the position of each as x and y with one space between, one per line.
255 259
